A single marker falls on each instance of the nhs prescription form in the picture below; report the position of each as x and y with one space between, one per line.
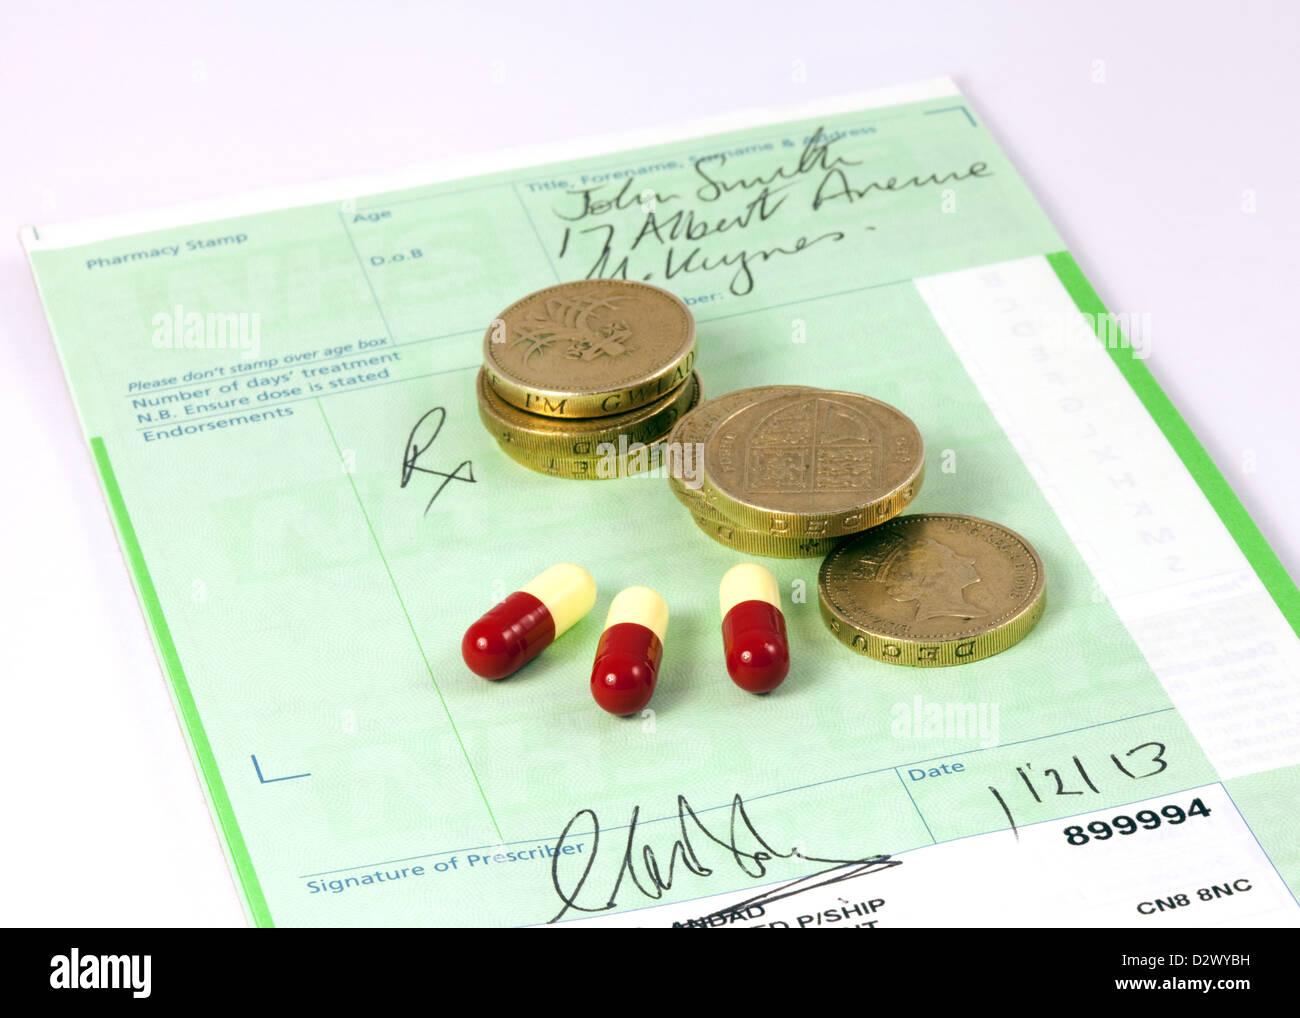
248 374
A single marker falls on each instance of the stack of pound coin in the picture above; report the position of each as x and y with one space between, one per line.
788 471
585 380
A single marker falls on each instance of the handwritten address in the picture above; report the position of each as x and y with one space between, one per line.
681 234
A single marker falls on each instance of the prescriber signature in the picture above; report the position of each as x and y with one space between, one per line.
642 872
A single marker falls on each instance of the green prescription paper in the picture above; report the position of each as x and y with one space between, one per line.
248 375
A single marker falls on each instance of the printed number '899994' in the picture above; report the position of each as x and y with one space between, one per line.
1147 819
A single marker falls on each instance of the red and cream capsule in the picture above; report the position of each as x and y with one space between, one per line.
630 648
528 621
753 628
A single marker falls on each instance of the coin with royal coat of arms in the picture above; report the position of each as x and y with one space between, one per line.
688 436
816 463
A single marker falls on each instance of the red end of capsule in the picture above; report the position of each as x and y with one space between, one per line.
627 664
508 636
758 653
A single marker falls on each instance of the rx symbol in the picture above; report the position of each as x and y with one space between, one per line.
422 436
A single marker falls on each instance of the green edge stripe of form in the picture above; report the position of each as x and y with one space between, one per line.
1211 481
184 698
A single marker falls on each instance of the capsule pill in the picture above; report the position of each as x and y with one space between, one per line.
630 649
753 628
515 631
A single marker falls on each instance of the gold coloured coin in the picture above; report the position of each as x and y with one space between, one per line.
817 463
619 457
578 439
591 468
932 589
590 348
688 436
751 542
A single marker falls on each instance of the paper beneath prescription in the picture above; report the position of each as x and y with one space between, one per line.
248 375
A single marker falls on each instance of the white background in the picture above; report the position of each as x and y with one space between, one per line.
110 108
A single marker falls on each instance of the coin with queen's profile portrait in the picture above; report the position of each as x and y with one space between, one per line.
932 589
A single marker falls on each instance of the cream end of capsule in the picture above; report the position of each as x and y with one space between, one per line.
567 590
748 581
641 605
